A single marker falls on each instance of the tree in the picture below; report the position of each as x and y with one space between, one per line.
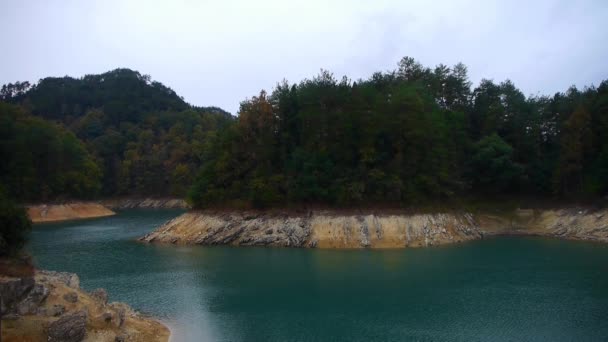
15 226
11 91
42 160
493 169
574 148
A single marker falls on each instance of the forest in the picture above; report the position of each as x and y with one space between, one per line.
402 137
127 136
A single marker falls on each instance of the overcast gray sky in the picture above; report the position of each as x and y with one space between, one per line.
220 52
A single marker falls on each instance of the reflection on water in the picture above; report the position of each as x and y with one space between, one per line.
493 290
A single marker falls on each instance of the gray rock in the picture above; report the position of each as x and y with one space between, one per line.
13 291
107 317
70 279
121 338
10 317
56 311
100 295
31 303
71 297
69 328
121 310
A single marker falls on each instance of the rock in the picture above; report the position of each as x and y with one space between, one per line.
107 317
70 279
69 328
71 297
56 311
30 304
122 310
12 292
121 338
249 217
155 203
100 295
10 317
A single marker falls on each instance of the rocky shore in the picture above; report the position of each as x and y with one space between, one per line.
327 229
51 306
145 203
322 229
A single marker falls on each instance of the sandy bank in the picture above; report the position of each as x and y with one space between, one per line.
68 211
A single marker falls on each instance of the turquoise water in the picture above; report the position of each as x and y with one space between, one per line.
499 289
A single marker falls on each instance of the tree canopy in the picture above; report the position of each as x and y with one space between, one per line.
141 138
15 226
399 137
42 160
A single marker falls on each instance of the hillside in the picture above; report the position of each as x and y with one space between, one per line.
398 138
143 138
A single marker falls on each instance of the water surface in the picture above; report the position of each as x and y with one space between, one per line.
499 289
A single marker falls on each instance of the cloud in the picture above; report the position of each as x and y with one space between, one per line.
220 52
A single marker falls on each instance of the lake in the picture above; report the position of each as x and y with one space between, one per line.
498 289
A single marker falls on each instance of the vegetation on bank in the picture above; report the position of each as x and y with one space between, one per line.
42 160
403 137
143 139
15 226
410 136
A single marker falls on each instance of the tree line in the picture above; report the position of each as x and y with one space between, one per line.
413 134
397 138
113 134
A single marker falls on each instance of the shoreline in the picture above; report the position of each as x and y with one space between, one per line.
46 213
78 210
340 229
41 305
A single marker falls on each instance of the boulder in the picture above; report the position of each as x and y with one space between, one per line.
56 311
69 328
121 338
71 297
13 291
31 303
100 295
70 279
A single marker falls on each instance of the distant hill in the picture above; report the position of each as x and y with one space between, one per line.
123 94
145 138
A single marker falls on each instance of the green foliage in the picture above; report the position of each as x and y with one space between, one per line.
414 134
494 170
15 226
42 160
144 139
123 94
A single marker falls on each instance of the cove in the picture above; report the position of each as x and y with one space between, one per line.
498 289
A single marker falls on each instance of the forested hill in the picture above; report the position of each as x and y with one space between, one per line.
400 137
142 137
413 134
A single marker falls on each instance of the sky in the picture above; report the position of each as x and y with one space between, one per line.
218 53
